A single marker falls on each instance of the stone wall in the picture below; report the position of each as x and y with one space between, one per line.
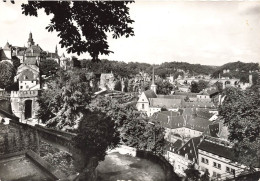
14 139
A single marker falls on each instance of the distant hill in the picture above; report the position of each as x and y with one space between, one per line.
132 68
239 70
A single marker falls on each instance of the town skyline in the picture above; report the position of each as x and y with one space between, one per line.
227 34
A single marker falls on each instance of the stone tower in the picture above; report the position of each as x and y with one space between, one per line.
153 86
30 40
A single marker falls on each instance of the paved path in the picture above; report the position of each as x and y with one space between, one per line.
117 167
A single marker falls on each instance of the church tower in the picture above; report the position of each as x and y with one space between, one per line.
56 50
153 86
30 40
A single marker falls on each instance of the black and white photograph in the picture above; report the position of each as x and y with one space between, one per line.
145 90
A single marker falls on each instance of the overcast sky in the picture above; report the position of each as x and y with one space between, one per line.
211 33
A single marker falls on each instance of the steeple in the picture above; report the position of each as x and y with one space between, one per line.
30 40
153 86
56 50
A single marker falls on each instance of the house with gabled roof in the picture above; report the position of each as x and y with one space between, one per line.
217 157
185 155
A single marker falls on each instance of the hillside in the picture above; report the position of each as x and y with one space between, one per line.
132 68
238 70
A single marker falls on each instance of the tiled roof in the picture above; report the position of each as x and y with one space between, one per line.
30 61
197 123
199 104
34 49
189 94
190 149
171 96
150 94
216 149
167 103
177 121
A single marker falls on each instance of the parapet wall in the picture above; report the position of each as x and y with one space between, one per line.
25 93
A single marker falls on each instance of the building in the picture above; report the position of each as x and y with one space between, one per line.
24 101
216 156
184 155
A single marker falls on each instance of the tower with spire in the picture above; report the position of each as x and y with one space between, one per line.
153 86
30 40
56 50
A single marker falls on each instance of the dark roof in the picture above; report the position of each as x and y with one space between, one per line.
212 130
150 94
217 148
173 146
191 149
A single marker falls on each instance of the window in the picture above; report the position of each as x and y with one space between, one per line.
214 164
207 161
233 171
32 81
21 87
227 169
142 106
142 99
219 166
203 160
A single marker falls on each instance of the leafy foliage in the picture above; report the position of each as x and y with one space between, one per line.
7 73
196 87
67 94
205 176
48 67
192 174
82 25
143 135
96 134
240 112
237 70
164 87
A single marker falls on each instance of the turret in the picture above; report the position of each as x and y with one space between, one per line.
30 40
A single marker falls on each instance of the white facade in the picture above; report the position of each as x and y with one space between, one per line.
143 104
217 166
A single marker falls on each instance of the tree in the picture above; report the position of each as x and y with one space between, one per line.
16 62
48 67
83 25
202 85
219 86
192 174
96 134
194 87
240 112
164 88
62 103
7 73
118 86
143 135
205 176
